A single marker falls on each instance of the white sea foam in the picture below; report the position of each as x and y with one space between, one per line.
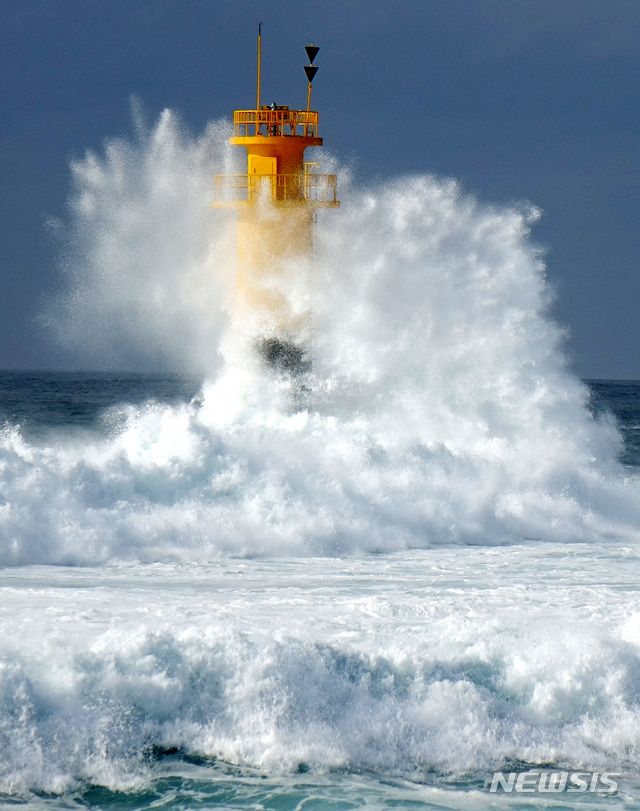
423 664
245 478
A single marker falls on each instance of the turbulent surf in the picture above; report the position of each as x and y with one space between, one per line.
368 580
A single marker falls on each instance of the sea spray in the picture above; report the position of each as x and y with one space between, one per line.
146 267
441 408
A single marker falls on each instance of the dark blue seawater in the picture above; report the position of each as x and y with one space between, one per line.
622 399
41 401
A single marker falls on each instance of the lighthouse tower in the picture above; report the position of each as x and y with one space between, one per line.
276 200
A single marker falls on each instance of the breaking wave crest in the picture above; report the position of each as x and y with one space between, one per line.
410 678
440 407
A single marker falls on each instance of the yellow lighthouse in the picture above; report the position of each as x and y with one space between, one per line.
276 199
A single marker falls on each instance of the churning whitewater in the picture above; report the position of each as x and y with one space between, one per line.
223 603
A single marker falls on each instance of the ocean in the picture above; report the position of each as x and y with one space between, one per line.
282 678
375 587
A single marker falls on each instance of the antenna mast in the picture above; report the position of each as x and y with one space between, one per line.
259 64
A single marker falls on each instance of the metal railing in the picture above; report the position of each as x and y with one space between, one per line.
278 121
310 188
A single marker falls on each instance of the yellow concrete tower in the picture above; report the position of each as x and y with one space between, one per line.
276 199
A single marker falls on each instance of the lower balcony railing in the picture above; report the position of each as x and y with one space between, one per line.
312 188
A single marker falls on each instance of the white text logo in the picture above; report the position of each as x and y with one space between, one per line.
554 782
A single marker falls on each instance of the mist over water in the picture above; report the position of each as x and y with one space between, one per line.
441 410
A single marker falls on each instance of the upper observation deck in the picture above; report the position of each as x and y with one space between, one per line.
273 121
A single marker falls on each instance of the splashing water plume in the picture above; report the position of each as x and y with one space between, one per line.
441 409
441 421
145 264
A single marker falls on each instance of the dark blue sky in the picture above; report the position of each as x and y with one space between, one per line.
534 100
